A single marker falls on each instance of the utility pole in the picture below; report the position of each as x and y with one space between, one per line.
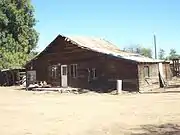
155 51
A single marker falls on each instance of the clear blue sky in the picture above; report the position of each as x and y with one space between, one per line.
123 22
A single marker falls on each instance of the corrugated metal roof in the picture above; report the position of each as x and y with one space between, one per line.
106 47
3 70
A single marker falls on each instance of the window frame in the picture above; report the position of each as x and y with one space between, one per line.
64 70
94 73
146 71
54 72
89 74
74 70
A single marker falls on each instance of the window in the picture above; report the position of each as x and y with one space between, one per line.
73 70
54 71
146 71
94 75
89 75
64 70
31 76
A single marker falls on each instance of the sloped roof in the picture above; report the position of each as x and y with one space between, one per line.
103 46
8 69
106 47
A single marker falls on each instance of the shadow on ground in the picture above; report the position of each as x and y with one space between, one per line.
21 88
164 129
174 86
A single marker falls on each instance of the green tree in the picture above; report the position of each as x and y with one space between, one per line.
173 54
147 52
32 55
18 38
161 54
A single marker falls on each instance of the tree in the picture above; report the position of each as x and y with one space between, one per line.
32 55
173 54
147 52
18 38
161 54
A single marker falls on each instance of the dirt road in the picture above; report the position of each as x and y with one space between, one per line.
37 113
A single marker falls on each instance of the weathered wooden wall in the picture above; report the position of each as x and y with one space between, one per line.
109 69
167 71
151 82
119 69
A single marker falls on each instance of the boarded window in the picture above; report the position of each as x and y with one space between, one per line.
146 71
73 70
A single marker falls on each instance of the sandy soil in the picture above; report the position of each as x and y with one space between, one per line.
38 113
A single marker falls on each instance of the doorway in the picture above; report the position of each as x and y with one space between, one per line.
64 76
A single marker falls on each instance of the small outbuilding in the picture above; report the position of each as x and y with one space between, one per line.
10 77
96 64
175 67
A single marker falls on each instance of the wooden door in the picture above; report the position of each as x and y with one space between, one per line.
64 76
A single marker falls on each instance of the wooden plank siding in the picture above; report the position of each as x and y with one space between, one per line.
167 71
108 68
147 83
119 69
152 82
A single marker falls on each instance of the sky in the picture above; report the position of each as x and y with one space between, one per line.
123 22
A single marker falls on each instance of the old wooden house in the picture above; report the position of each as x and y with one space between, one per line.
97 64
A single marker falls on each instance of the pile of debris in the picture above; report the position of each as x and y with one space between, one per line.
43 86
38 85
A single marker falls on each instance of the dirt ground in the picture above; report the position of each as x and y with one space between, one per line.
41 113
